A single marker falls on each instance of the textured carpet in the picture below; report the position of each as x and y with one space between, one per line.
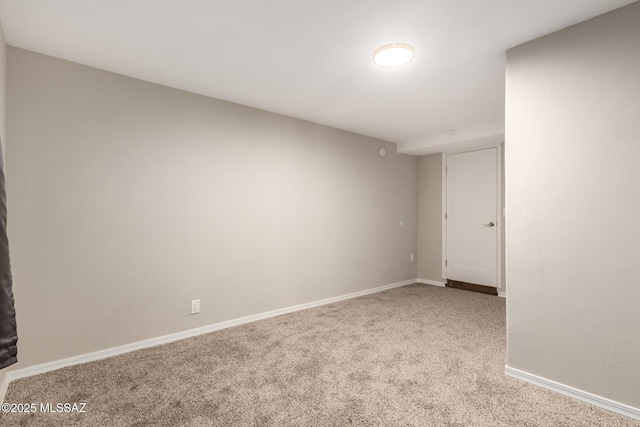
411 356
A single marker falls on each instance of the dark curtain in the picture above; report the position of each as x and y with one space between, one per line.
8 330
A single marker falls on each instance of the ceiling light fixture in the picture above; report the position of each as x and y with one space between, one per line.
393 55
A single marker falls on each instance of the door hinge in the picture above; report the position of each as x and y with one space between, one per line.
446 169
445 216
446 262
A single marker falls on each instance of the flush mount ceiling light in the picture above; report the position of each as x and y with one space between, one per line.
393 55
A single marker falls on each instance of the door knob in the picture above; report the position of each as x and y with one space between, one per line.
491 224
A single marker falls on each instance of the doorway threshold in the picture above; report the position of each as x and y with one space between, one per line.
471 287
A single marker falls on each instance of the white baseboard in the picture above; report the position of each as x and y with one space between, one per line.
430 282
3 387
502 294
592 399
114 351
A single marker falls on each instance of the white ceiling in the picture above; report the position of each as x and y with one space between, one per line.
309 59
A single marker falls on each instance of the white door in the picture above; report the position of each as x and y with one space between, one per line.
472 217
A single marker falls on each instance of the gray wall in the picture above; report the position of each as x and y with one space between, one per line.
3 100
130 199
573 191
3 87
430 217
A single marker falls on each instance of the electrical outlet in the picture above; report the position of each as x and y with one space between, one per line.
412 257
195 306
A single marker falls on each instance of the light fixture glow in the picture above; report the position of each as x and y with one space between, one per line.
393 55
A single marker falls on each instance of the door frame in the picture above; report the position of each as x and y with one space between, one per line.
499 207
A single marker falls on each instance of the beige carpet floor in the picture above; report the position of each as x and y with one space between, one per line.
411 356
